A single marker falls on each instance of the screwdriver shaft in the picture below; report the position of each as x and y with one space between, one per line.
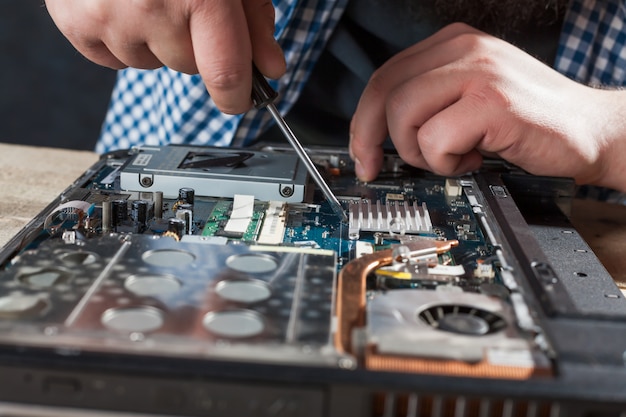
310 166
263 95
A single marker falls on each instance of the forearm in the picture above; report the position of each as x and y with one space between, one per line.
610 112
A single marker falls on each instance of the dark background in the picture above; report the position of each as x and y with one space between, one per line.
49 94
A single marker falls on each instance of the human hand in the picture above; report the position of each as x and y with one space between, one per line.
460 94
217 38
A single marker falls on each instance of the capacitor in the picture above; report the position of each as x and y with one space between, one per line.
176 226
157 197
120 212
139 212
186 195
106 216
185 206
187 216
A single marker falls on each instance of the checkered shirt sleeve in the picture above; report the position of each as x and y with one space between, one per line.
162 106
592 45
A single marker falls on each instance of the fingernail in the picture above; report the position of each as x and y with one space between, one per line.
275 44
358 169
350 146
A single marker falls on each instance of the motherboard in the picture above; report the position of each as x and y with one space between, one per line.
234 256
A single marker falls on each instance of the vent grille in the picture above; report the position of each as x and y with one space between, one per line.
422 405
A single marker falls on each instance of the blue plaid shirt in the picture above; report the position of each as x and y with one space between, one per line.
162 106
592 48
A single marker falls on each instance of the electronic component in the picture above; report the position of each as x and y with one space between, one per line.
447 332
274 224
453 187
216 172
193 265
68 215
390 217
241 215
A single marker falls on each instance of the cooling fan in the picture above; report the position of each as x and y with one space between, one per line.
462 319
447 331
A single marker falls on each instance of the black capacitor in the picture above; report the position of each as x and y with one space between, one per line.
176 226
185 206
187 216
120 212
139 212
185 212
186 195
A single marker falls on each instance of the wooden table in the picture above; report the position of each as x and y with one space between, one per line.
603 226
30 177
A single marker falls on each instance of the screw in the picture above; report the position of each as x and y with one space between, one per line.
346 363
286 191
146 181
137 337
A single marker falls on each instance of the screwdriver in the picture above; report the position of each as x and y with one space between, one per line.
263 95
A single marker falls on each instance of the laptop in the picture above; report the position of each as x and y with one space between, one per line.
197 281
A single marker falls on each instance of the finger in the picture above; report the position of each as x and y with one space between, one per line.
174 49
368 132
153 41
86 42
266 53
97 52
151 37
181 60
449 141
370 124
445 132
136 55
221 45
366 154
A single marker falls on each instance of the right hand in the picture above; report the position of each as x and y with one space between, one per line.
219 39
462 94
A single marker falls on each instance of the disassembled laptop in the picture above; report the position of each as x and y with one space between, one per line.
219 282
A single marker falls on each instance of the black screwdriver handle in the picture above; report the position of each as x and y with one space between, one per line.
262 92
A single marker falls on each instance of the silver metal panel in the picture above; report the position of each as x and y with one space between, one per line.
153 295
267 177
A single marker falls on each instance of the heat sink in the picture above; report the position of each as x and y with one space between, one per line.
400 217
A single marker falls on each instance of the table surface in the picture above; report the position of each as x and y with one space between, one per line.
31 177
